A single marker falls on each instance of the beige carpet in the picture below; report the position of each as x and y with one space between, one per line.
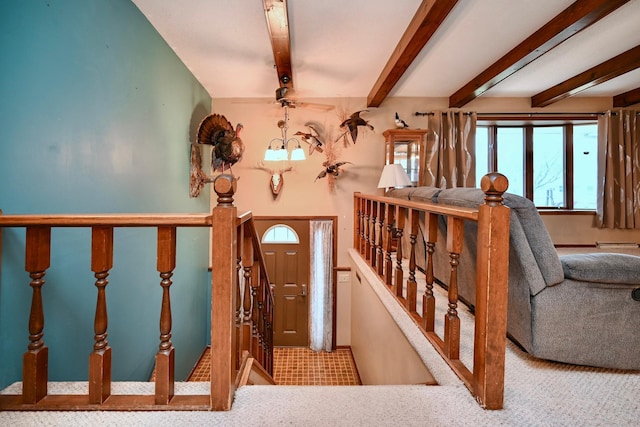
537 393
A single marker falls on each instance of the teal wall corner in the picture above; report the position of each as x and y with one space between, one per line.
98 115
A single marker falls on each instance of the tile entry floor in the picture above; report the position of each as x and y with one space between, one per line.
300 366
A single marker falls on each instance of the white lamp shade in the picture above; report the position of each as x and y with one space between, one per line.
270 155
394 175
297 154
281 154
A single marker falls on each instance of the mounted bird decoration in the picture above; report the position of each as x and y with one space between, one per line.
217 131
311 138
352 124
400 124
331 169
227 149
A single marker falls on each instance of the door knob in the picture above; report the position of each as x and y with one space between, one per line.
303 291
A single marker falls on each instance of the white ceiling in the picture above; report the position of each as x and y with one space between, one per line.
339 47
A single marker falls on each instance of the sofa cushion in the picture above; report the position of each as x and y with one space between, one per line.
602 268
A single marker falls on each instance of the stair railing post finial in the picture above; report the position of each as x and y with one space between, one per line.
494 185
225 187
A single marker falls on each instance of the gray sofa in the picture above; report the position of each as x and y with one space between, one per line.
580 309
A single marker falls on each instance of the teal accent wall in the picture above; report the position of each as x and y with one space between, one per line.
97 114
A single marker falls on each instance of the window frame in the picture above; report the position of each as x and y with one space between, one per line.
281 226
568 126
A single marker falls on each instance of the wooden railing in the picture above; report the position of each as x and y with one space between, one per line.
381 220
241 308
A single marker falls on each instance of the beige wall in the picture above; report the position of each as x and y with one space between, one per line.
381 351
303 195
580 230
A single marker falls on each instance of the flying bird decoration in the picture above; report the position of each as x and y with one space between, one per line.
217 131
400 124
331 169
311 138
352 124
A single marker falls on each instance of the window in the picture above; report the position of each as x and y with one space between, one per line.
554 165
280 233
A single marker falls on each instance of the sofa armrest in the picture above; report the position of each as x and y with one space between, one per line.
602 268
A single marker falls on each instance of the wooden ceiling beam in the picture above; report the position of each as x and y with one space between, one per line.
570 21
428 17
278 25
614 67
627 99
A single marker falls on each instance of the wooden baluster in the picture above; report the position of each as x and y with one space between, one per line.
451 320
367 230
360 219
358 234
100 357
265 329
373 220
388 264
255 340
239 294
269 365
263 323
260 322
363 229
223 279
412 286
491 293
379 239
247 261
428 299
414 220
165 357
402 212
35 360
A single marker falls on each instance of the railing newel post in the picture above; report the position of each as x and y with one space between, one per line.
491 293
223 279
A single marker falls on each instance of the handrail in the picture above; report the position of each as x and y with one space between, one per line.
234 241
110 220
379 221
457 211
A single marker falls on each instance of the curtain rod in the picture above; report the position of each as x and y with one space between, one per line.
528 114
418 113
540 114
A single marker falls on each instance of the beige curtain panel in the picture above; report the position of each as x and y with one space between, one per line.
321 336
619 169
450 149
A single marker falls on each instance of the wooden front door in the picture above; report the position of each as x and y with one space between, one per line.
288 269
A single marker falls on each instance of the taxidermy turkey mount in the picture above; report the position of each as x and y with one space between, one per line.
227 149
